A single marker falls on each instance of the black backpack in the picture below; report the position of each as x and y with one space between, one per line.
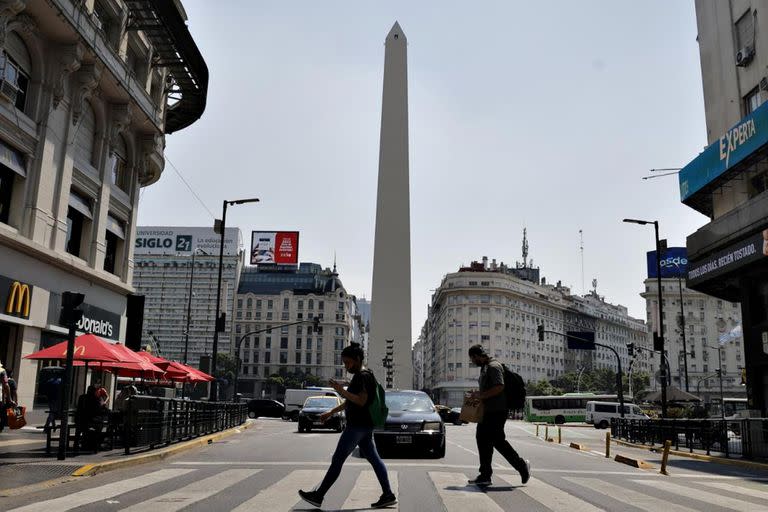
514 389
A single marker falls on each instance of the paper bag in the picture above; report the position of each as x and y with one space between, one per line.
15 416
472 410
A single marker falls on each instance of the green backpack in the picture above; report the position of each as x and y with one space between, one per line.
378 408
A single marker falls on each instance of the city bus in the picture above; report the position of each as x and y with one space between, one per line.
570 407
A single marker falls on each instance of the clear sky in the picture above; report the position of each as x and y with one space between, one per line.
542 115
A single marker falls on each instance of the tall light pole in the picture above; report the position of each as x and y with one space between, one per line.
218 323
682 325
661 315
719 373
189 302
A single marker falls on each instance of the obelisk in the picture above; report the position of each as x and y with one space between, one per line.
390 336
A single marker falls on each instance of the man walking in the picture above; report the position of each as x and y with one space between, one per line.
490 430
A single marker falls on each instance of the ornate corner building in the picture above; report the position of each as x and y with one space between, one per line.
88 91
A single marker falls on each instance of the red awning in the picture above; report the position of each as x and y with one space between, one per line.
88 347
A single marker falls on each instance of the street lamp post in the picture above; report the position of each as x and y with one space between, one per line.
214 384
661 315
720 377
189 303
682 326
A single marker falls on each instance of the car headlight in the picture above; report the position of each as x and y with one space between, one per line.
431 425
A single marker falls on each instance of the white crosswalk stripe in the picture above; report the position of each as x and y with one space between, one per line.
550 496
457 496
738 489
103 492
367 490
708 497
192 493
283 495
628 496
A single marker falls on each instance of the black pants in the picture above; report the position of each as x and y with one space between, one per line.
490 435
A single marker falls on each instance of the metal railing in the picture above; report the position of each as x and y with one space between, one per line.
745 438
152 421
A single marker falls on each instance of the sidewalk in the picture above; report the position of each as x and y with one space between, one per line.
24 465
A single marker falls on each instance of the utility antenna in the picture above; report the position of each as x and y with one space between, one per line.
525 248
581 247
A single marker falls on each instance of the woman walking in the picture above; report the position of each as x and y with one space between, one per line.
359 431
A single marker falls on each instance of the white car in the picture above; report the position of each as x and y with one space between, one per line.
599 414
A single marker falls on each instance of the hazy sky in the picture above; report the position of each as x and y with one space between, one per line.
522 114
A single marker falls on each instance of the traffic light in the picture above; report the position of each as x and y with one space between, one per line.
630 349
540 330
70 301
658 342
316 324
743 376
221 323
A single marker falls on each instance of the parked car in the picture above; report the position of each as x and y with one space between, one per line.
599 414
265 408
314 406
443 411
295 398
455 416
412 423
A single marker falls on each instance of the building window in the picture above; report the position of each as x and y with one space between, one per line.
745 31
309 343
307 358
298 357
318 358
78 219
15 69
249 302
269 304
114 238
298 343
239 303
283 357
283 342
311 304
268 342
267 357
752 101
286 303
258 303
321 305
319 344
7 179
301 304
110 255
119 171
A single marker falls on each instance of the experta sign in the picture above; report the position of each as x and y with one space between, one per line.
735 145
15 297
674 262
162 240
735 256
275 247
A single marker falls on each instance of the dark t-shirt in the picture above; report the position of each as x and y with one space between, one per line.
358 416
492 375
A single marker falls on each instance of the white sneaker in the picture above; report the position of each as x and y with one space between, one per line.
527 475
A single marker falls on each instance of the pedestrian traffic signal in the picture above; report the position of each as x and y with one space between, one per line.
540 330
658 342
316 324
630 349
70 314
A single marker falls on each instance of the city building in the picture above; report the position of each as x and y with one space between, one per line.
418 364
728 180
270 296
500 307
179 295
89 91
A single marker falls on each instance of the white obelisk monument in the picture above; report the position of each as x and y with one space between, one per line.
390 336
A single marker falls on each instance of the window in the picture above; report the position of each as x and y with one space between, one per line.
7 179
267 342
286 303
298 358
298 343
269 304
745 31
258 303
114 238
301 304
752 101
284 329
319 344
239 303
321 305
283 357
267 357
307 358
15 69
249 302
78 217
311 304
283 342
309 343
338 344
318 358
119 171
300 329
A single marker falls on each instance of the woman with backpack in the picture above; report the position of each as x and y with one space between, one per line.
359 396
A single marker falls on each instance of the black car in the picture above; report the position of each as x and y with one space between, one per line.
412 424
265 408
314 406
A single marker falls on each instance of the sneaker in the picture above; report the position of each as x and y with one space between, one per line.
526 475
312 497
387 500
480 480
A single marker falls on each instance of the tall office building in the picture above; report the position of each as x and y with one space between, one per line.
728 180
500 307
83 117
178 294
389 350
270 297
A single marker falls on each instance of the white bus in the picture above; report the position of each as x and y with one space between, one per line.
570 407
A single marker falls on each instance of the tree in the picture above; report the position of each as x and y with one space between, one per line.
541 388
225 369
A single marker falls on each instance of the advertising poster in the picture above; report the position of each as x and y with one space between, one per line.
275 248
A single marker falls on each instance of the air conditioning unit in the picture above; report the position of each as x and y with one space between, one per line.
745 56
8 91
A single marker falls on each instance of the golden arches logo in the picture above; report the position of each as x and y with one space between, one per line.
78 349
19 300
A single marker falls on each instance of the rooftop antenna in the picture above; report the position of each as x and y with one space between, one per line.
594 286
334 262
581 247
525 248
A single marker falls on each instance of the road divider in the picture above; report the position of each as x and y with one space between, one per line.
632 461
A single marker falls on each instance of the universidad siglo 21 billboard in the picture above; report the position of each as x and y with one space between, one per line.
275 248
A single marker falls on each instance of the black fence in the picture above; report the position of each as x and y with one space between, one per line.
151 421
745 438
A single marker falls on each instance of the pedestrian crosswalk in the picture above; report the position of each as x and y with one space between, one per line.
274 489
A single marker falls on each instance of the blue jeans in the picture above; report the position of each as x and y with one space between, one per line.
351 437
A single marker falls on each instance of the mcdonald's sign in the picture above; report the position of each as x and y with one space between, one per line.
17 297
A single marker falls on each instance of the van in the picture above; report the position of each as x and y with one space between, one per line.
295 398
599 414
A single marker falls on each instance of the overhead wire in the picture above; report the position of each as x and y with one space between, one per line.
190 188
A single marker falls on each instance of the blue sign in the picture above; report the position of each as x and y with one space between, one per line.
674 263
739 142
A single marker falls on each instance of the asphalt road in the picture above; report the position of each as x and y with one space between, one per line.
262 468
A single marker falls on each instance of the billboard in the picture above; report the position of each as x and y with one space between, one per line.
275 247
154 240
674 262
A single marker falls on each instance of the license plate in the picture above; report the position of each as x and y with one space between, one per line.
404 439
317 423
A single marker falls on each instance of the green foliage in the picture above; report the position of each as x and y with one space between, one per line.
543 387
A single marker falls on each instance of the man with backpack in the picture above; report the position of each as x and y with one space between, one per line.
364 409
490 430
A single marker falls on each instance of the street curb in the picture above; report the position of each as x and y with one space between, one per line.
698 456
632 461
102 467
578 446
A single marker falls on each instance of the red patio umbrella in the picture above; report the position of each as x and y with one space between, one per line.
155 360
88 347
182 373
